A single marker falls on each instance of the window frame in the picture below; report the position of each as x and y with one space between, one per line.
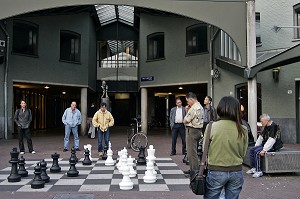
296 21
189 50
35 44
150 38
78 37
257 21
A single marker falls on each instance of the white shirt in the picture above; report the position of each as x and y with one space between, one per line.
178 115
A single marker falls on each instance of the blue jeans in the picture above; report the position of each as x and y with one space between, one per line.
68 130
232 182
106 139
255 157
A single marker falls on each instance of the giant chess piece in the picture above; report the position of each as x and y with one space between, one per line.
141 157
55 167
149 177
73 154
126 183
86 160
120 153
37 182
14 175
132 172
72 171
89 147
109 161
104 156
44 174
123 163
22 171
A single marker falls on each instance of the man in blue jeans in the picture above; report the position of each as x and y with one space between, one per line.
103 120
265 142
71 119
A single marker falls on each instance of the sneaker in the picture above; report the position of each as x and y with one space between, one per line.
33 152
257 174
251 171
65 150
22 153
100 154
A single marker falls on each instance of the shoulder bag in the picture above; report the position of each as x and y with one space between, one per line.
198 177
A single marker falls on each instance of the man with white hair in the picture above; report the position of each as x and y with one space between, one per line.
268 140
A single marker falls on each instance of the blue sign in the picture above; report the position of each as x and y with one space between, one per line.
149 78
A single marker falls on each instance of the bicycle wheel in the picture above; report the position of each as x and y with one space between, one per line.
138 140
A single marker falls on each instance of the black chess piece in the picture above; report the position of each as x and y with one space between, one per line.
72 171
22 170
104 156
73 154
87 160
185 159
14 175
187 162
44 174
141 157
37 182
55 167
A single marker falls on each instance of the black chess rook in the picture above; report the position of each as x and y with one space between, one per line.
87 160
55 167
44 174
14 174
22 171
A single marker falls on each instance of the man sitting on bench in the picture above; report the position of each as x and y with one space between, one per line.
268 140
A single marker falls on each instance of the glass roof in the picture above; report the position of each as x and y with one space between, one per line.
111 13
120 46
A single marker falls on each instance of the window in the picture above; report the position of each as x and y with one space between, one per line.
25 37
196 39
257 27
69 46
297 20
155 43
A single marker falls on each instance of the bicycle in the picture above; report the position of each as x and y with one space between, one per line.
135 136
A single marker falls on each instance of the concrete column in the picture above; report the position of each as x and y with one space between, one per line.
144 109
251 61
167 111
83 110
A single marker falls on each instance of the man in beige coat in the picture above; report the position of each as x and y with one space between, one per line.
102 120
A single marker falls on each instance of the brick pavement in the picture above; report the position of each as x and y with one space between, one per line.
47 142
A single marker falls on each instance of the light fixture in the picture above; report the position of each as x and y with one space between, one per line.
276 74
180 88
170 93
46 87
63 92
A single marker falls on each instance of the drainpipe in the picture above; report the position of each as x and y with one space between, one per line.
5 82
211 59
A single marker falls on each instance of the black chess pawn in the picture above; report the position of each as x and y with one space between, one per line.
14 175
55 167
72 171
73 154
44 174
104 156
22 170
37 182
87 160
141 157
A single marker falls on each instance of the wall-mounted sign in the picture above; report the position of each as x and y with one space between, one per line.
149 78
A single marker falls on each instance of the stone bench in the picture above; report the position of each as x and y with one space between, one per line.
284 160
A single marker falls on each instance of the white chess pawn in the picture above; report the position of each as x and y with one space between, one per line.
149 176
132 172
126 183
123 163
120 153
109 161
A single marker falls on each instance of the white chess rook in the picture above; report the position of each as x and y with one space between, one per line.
149 176
132 172
126 183
109 161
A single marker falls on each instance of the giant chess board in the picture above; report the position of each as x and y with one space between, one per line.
98 177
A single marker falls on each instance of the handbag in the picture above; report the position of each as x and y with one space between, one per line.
198 177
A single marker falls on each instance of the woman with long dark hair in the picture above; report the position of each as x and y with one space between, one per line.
227 149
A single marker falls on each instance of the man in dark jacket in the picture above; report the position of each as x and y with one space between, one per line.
177 114
210 113
23 119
